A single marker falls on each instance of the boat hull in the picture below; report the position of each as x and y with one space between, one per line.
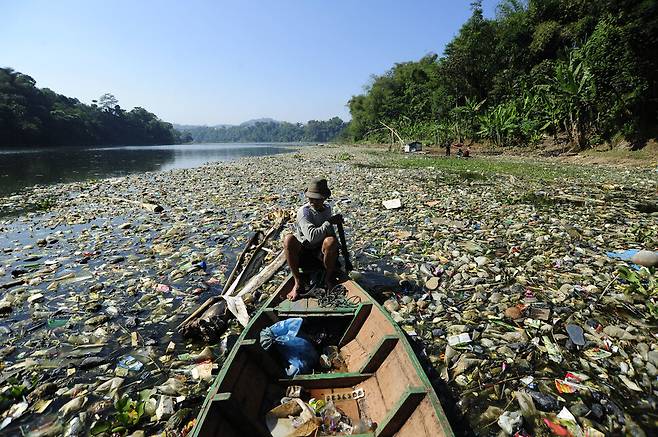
382 381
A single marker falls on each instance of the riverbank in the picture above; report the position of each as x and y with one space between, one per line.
518 246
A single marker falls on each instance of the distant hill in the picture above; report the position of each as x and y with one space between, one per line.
264 130
187 127
259 120
182 127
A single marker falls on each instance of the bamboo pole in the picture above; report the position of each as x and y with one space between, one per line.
259 253
238 263
202 308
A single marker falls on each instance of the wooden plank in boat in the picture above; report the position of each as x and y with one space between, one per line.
379 355
360 315
264 359
306 306
228 408
401 411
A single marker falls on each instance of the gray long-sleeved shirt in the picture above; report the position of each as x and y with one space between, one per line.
312 226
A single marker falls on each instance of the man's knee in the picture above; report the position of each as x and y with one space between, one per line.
291 243
330 244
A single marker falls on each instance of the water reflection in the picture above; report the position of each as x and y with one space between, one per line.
24 168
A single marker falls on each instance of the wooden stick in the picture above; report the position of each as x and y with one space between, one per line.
13 283
343 247
264 275
606 289
258 254
393 131
207 304
240 260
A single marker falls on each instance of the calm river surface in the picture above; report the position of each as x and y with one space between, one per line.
21 169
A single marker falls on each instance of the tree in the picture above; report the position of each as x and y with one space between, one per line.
31 116
586 69
107 102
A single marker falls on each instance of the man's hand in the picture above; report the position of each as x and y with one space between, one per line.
335 219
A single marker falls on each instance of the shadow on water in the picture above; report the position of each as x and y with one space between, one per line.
21 169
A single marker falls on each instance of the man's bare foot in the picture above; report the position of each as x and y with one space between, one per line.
295 292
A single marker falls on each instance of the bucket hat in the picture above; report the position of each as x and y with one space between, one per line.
318 189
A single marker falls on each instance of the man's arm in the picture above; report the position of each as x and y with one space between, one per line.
313 234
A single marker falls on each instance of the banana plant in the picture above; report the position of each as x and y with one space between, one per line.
573 91
465 118
501 124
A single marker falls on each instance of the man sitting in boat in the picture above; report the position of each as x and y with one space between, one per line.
314 236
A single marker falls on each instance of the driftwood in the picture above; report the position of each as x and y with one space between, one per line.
265 275
254 263
153 207
13 283
253 240
210 301
211 318
210 325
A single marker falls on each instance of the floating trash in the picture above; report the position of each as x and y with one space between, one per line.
516 269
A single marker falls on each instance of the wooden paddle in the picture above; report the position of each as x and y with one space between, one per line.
343 246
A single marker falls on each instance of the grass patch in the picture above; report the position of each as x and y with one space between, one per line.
344 156
45 204
480 168
647 154
468 175
375 152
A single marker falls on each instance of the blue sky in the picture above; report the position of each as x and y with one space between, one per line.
212 62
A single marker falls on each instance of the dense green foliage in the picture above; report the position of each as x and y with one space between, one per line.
31 116
584 71
267 131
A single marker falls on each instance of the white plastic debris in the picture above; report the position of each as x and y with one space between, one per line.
463 338
392 204
165 407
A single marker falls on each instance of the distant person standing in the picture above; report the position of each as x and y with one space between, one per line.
448 149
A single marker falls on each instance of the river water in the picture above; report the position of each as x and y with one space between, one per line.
25 168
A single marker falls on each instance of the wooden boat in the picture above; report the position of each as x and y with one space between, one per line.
397 394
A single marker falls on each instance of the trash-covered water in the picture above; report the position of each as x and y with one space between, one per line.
503 282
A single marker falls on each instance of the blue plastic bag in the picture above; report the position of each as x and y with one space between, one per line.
298 352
